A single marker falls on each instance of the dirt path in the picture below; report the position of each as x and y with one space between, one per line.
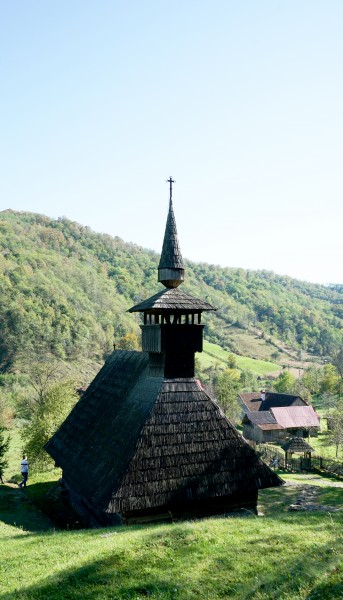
309 494
321 481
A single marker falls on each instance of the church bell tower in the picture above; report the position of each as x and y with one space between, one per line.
172 331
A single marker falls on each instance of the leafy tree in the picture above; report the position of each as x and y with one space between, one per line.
54 407
285 382
248 380
302 391
337 361
226 388
129 341
231 361
311 379
335 429
330 380
4 446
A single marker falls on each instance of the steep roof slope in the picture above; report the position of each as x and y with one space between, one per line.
135 441
171 256
99 435
188 450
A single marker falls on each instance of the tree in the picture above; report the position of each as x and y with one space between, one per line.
330 379
337 361
231 361
129 341
302 391
335 429
226 388
311 379
42 374
55 405
248 380
4 446
285 382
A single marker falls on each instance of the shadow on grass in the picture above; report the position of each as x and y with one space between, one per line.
330 496
38 507
177 563
17 510
272 501
331 589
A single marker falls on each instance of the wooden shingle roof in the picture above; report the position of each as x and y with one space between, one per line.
297 444
188 450
133 442
99 435
171 257
172 299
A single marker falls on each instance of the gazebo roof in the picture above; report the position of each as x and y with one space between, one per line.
297 444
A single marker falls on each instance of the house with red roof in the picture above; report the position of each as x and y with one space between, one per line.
276 417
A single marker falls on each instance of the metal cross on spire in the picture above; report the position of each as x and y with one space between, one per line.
170 181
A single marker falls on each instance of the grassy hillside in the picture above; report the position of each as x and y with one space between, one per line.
289 556
66 289
213 354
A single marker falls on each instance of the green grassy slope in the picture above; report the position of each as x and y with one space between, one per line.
289 556
213 354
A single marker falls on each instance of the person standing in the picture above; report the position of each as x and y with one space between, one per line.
24 468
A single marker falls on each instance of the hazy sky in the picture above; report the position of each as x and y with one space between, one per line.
240 101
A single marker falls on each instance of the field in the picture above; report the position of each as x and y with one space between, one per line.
214 355
283 555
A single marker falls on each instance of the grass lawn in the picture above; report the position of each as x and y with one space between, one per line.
321 444
213 354
280 556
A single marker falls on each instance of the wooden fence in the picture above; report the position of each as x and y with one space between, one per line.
276 458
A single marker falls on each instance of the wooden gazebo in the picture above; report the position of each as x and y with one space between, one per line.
297 445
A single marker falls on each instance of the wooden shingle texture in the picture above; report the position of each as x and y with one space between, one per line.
171 257
188 450
172 299
135 442
297 444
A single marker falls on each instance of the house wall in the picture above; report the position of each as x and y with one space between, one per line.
273 435
252 433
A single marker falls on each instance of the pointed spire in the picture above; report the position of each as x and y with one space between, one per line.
171 269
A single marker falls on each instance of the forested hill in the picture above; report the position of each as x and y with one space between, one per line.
66 289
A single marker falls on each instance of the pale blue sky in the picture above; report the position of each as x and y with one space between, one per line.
241 101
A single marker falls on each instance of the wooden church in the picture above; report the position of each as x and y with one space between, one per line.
146 441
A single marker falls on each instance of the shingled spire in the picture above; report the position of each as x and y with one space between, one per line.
170 269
